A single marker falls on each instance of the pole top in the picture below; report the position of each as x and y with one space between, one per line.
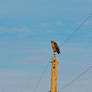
54 59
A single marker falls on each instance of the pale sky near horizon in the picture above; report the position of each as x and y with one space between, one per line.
26 29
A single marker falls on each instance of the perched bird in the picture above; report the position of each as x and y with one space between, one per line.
55 47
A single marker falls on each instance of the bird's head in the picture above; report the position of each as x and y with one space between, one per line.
52 41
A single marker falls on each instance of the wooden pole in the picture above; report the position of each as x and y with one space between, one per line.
54 71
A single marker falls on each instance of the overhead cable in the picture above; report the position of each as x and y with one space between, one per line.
77 29
76 78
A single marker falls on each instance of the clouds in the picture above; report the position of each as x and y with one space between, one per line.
59 23
44 24
13 30
16 80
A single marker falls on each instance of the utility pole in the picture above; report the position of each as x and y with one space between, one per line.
54 71
54 68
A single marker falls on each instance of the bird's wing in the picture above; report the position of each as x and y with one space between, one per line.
57 48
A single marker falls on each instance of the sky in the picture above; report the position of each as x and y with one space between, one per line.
26 29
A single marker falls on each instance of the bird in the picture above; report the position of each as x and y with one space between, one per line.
55 47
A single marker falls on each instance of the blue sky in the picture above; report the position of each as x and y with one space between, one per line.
26 29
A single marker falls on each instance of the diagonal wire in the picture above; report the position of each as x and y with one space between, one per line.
60 78
41 77
75 79
77 29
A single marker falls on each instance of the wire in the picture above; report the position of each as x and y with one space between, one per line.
76 78
41 77
60 78
81 24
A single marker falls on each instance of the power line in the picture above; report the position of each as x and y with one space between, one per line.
41 77
60 78
76 78
81 24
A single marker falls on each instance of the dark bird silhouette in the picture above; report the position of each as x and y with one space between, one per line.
55 47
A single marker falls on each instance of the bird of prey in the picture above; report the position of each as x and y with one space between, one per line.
55 47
